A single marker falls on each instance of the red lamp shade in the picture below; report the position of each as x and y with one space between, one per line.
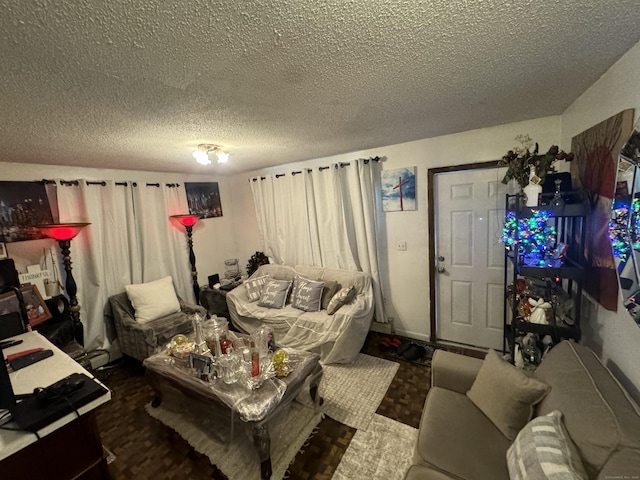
187 220
62 231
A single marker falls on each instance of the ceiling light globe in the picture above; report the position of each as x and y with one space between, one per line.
201 157
222 156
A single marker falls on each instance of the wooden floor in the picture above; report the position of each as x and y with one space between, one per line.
146 449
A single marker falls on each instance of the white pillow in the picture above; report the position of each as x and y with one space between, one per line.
153 300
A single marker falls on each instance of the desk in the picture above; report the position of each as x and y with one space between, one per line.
70 447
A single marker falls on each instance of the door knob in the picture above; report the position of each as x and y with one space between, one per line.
440 258
441 270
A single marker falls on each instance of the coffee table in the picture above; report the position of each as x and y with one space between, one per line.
255 408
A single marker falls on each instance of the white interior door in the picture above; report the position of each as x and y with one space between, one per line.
469 210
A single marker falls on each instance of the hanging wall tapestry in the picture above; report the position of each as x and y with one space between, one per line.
23 205
398 189
204 199
594 169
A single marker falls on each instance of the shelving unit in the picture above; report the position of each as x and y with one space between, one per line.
552 280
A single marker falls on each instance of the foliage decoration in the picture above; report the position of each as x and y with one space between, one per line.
257 259
519 160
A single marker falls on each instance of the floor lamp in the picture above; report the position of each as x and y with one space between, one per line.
63 233
188 221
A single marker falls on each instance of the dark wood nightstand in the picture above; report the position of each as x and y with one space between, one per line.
215 301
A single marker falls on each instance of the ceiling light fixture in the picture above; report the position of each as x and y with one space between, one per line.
201 154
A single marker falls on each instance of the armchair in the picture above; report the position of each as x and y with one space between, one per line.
141 340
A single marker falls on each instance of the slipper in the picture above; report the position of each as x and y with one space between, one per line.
414 352
385 344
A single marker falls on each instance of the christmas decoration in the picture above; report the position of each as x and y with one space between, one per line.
618 232
532 236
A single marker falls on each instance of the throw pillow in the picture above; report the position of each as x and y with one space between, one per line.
330 289
543 449
505 394
274 293
344 296
253 287
306 294
153 300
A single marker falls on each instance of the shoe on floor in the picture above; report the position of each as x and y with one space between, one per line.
414 352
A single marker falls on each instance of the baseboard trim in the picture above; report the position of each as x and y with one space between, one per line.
382 328
414 335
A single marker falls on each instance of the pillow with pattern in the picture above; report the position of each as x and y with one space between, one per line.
306 294
543 449
274 293
343 297
253 287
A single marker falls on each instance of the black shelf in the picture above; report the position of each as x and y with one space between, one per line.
520 326
569 221
569 210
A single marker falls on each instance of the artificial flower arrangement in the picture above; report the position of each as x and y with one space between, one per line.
519 160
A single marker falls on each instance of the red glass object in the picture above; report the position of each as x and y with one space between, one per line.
225 345
62 231
187 220
255 363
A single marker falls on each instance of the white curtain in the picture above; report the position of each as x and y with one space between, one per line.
325 217
163 244
130 240
104 255
283 217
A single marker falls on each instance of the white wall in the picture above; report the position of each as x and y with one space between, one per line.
213 238
408 299
614 335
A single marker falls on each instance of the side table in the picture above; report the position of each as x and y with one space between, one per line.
215 301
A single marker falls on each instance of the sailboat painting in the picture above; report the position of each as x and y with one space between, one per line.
398 189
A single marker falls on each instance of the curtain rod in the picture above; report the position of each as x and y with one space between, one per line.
103 183
309 170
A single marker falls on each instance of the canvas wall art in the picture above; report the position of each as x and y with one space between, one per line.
594 169
23 205
398 189
204 199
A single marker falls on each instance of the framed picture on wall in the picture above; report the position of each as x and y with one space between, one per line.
23 205
37 310
203 199
398 189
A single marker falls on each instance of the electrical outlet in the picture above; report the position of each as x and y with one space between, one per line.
401 246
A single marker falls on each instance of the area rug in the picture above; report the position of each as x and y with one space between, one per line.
383 452
352 392
238 460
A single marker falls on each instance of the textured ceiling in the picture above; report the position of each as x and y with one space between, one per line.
138 84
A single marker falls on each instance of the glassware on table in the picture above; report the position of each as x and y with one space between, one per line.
216 331
557 201
229 365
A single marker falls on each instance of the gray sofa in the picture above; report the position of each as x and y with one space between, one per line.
456 440
338 338
141 340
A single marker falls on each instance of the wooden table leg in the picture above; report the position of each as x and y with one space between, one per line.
262 442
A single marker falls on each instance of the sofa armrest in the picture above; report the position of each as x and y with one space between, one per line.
454 371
